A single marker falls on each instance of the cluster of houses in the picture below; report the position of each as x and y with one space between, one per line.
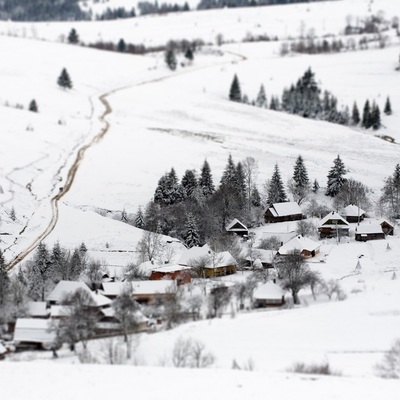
162 279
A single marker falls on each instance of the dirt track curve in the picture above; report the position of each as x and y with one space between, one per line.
68 183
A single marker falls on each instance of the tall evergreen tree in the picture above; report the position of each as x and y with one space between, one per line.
59 262
168 190
336 177
366 117
39 273
240 184
255 197
261 100
235 94
228 178
191 234
121 46
300 185
390 198
355 115
33 106
375 117
206 181
276 191
388 107
139 218
189 182
189 54
73 37
4 280
64 80
170 59
315 186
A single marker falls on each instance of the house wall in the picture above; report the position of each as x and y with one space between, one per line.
325 232
369 236
220 271
268 217
181 277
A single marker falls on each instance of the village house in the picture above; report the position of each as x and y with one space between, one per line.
307 247
369 231
220 264
354 213
236 227
333 225
179 273
282 212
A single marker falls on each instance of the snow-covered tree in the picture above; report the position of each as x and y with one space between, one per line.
4 280
139 218
235 94
366 117
390 198
64 80
300 184
315 186
228 178
206 181
189 182
255 197
33 106
73 37
355 115
191 233
121 46
388 107
240 184
168 190
336 177
261 100
170 59
375 117
275 190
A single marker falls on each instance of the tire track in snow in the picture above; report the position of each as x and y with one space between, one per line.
96 139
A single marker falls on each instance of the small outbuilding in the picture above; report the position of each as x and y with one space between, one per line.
365 232
282 212
179 273
35 333
354 213
237 227
268 295
220 264
387 227
307 247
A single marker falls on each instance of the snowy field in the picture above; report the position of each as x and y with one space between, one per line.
161 120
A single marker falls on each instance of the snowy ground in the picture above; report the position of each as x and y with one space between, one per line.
161 120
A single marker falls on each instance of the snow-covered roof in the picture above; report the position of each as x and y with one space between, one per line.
333 220
222 259
3 350
268 291
231 226
136 287
171 268
58 311
284 209
298 243
64 288
100 299
282 236
353 211
146 267
368 228
37 309
116 288
194 253
33 330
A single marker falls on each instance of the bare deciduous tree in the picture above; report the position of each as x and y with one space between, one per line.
190 353
390 365
150 246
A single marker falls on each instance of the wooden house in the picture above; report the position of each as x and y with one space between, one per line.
179 273
220 264
35 333
282 212
354 213
268 295
236 227
333 225
307 247
368 231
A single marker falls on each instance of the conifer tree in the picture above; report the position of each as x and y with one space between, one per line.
336 177
355 115
139 219
83 248
276 192
366 117
274 104
206 181
73 37
235 94
189 182
170 59
240 184
375 117
390 198
228 178
4 280
121 46
300 186
315 187
39 273
189 54
261 100
64 80
191 234
388 107
58 261
13 215
255 197
33 106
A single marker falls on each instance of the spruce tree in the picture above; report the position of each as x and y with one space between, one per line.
315 186
235 93
191 234
189 182
355 115
76 266
366 117
58 260
276 191
39 273
261 100
240 184
336 177
73 37
206 181
388 107
375 117
170 59
139 219
189 54
255 197
64 80
301 184
228 178
33 106
121 46
83 248
4 280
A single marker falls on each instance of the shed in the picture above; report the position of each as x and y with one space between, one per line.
268 294
387 227
176 272
282 212
220 264
34 332
37 309
307 247
365 232
354 213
